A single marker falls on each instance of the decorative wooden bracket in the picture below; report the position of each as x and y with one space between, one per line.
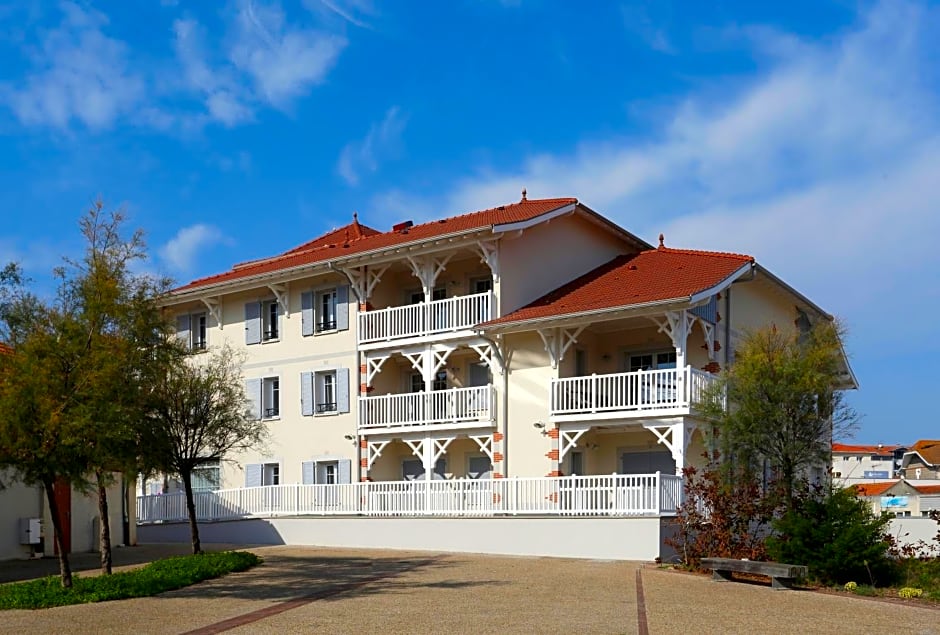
280 292
214 305
557 341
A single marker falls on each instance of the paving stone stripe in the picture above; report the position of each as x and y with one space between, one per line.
641 626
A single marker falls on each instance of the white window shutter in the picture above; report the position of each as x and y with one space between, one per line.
342 308
344 471
342 390
182 328
308 471
306 393
253 388
253 323
306 313
253 475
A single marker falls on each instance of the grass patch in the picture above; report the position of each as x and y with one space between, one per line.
154 578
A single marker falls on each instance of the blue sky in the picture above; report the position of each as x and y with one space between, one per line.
806 134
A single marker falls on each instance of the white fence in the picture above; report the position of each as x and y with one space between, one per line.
454 405
638 391
426 318
615 495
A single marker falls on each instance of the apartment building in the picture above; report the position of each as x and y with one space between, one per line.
531 340
855 464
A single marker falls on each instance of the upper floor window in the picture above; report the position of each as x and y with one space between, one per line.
324 391
481 285
326 311
191 328
265 397
651 361
269 315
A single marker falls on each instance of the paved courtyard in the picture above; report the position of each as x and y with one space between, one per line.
308 590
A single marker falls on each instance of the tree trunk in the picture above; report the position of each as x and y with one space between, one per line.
65 570
104 525
191 511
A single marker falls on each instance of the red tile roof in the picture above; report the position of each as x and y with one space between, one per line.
927 489
874 489
928 449
648 276
335 244
878 450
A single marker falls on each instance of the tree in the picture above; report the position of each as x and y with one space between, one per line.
199 412
785 402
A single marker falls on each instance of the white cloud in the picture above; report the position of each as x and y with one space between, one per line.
824 166
283 61
79 75
181 251
383 141
356 12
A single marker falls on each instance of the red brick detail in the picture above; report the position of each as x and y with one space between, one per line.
364 463
365 389
497 457
718 316
363 368
497 498
712 367
498 475
554 473
365 479
552 497
718 295
552 454
553 433
498 436
365 306
363 443
717 346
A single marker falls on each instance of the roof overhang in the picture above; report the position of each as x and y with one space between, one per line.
904 460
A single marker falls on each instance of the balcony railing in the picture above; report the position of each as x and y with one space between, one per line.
576 496
427 318
638 392
435 408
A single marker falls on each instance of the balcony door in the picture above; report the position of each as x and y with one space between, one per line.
658 389
647 462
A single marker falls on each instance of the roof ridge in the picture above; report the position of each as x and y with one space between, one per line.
498 208
702 252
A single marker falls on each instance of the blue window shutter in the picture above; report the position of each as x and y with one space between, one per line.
306 313
253 323
344 471
342 308
308 472
182 329
253 388
306 394
342 390
253 475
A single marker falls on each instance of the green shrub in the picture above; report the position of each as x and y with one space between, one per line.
154 578
921 574
836 535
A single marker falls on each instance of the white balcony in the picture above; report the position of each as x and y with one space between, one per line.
453 408
428 318
643 393
574 496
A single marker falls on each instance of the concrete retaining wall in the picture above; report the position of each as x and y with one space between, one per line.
599 538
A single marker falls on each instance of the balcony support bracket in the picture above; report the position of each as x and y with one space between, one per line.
364 280
373 366
485 443
490 356
374 451
214 306
558 340
427 269
568 440
676 438
489 255
280 292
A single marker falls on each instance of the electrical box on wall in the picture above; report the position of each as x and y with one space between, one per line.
30 531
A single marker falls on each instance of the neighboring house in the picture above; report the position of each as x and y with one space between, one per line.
26 523
534 339
922 461
853 464
901 498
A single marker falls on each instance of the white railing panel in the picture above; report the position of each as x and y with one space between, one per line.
426 318
438 407
636 391
576 496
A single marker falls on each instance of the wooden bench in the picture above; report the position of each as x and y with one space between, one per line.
781 575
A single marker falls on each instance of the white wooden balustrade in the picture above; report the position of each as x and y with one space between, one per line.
613 495
434 408
638 392
426 318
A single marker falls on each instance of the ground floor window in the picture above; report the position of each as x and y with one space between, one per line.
479 467
207 477
647 462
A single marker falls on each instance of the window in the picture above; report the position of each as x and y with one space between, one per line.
259 474
576 463
271 474
481 285
191 329
326 311
270 397
652 361
417 297
269 320
327 471
479 467
326 392
206 476
580 362
439 383
413 470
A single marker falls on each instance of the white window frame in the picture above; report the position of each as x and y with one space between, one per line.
654 356
267 396
320 405
320 323
198 325
473 456
214 479
270 328
277 472
476 280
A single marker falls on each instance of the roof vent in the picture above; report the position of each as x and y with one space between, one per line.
402 226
